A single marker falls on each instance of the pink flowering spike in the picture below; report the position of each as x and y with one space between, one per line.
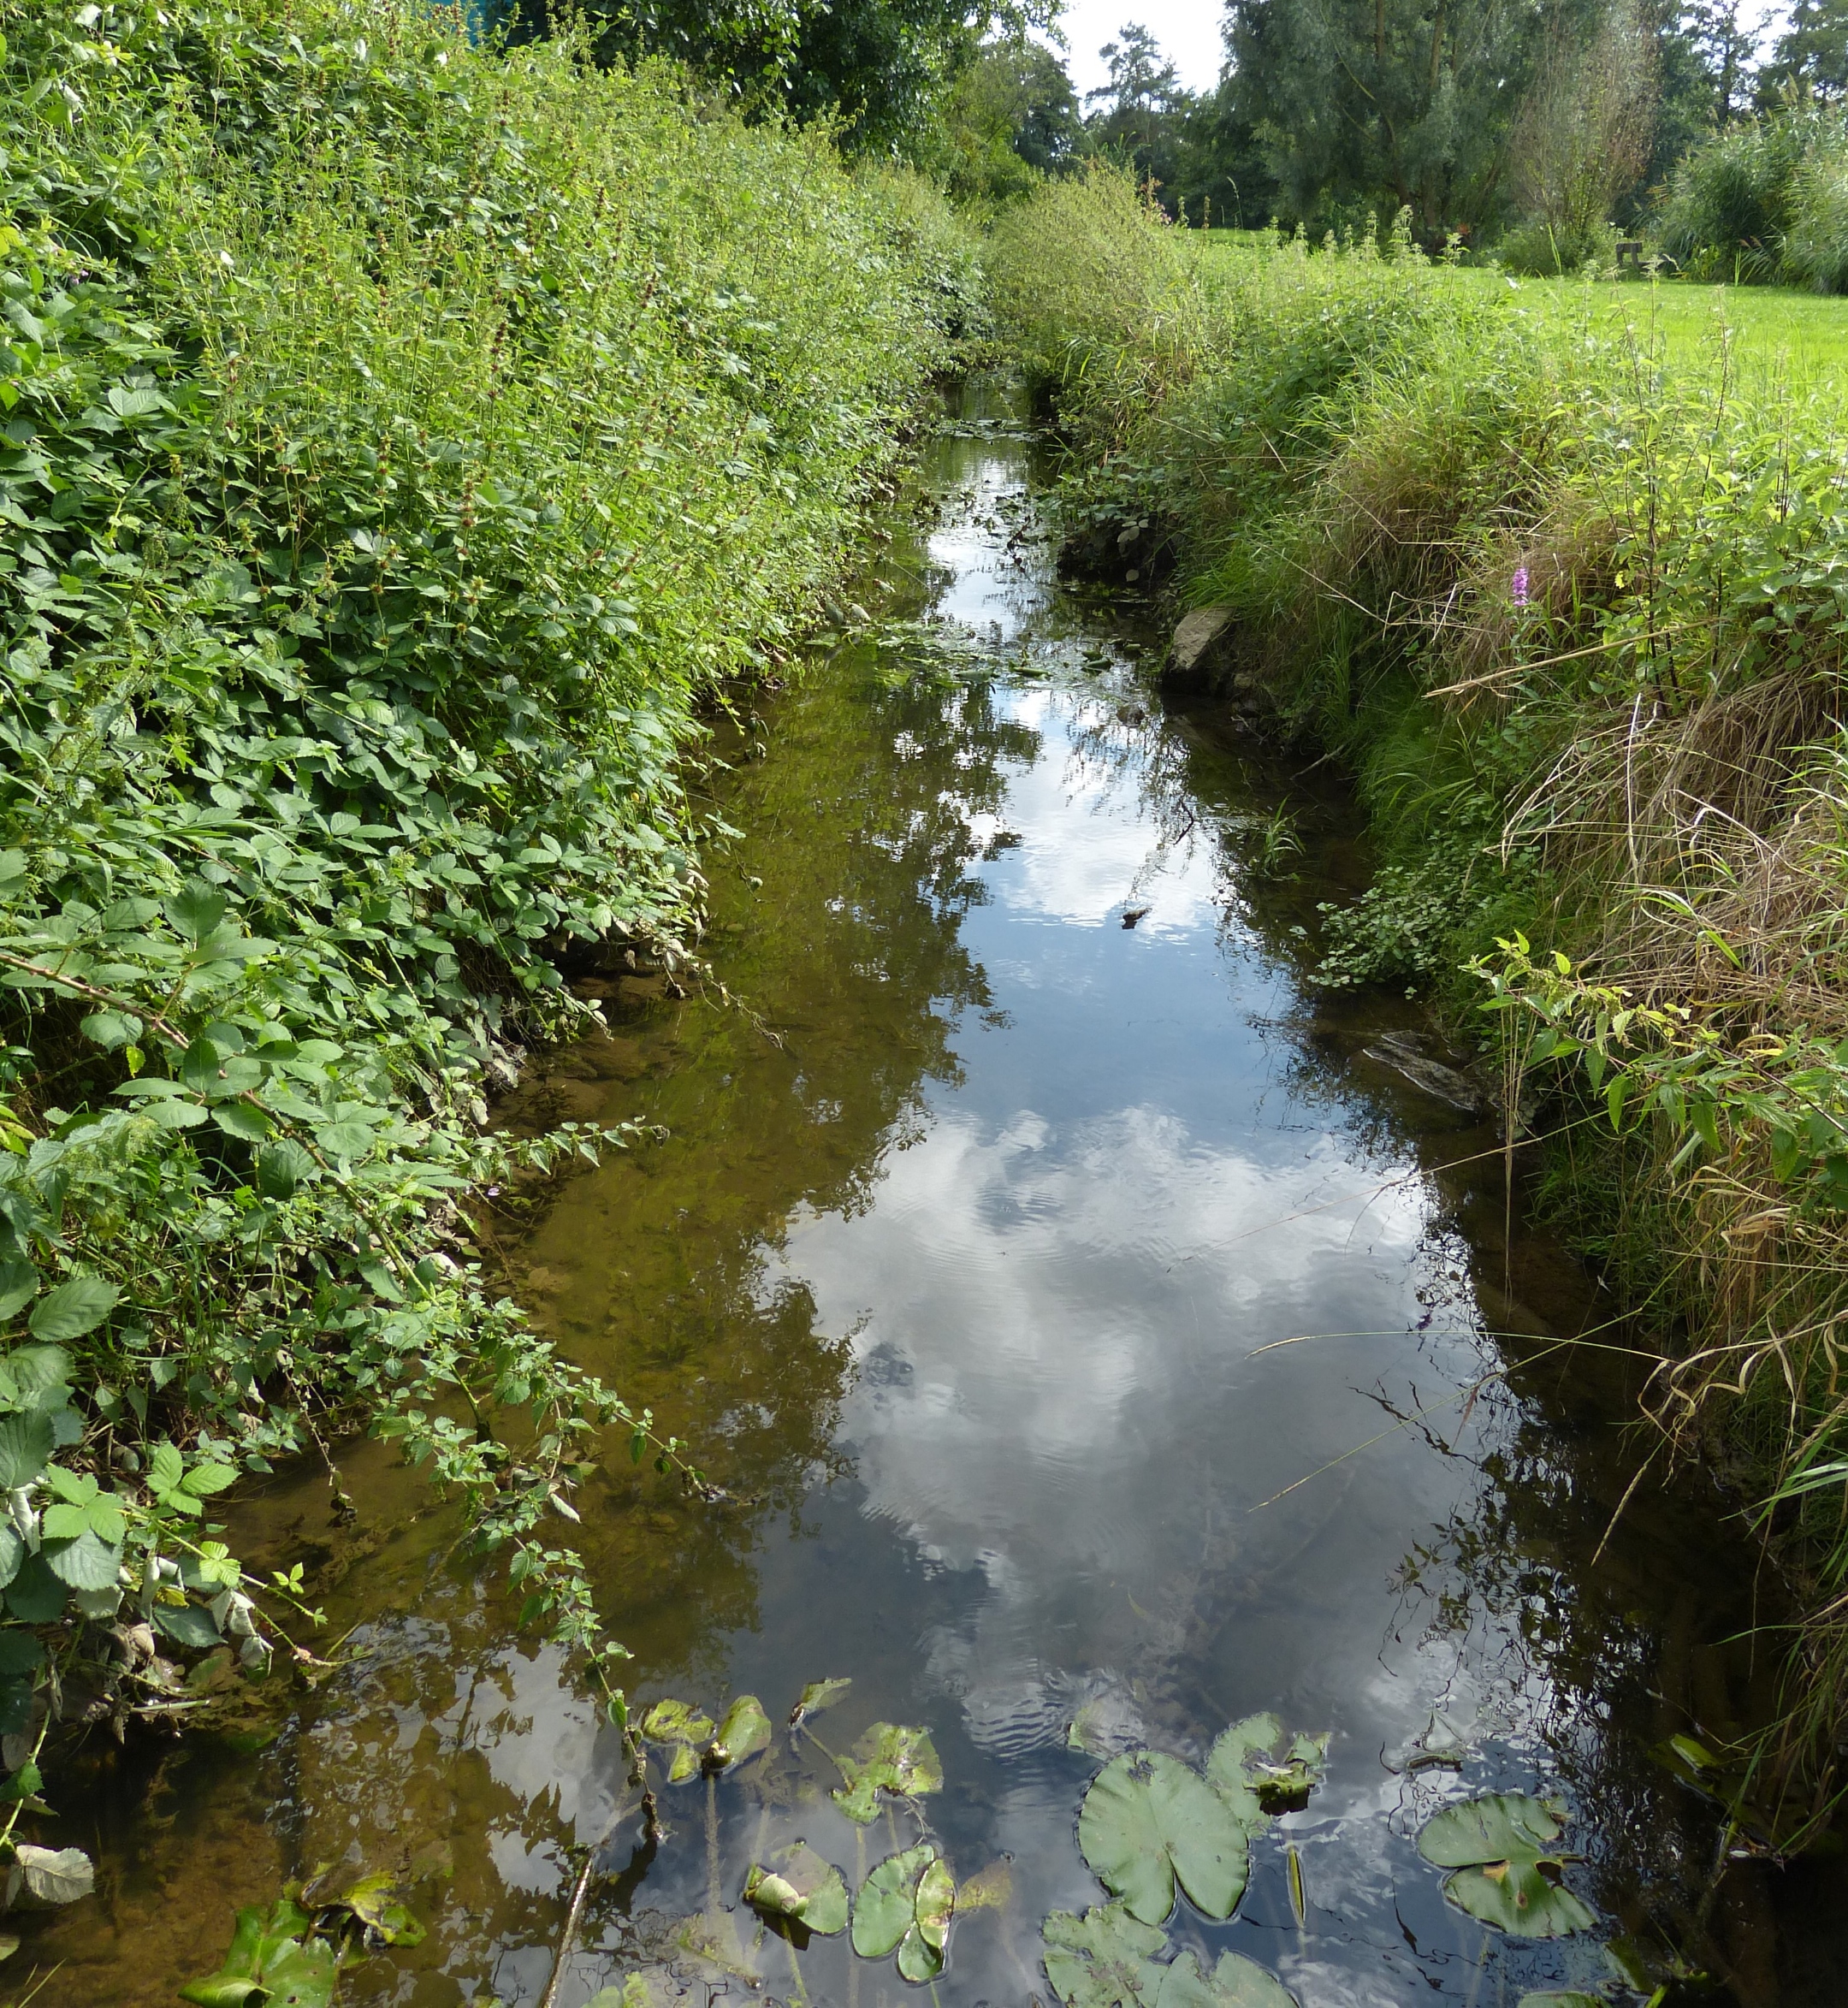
1520 587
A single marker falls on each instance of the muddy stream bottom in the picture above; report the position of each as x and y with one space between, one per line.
1090 1327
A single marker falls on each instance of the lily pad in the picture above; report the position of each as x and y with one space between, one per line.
744 1731
676 1721
1259 1767
1234 1982
1565 2001
906 1904
815 1696
889 1758
1105 1959
802 1889
269 1962
1507 1868
1148 1823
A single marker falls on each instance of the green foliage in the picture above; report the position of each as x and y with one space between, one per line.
397 440
905 1905
295 1950
1763 201
802 1890
1149 1824
1506 1864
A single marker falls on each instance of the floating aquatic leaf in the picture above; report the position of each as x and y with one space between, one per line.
675 1721
652 1988
990 1889
269 1963
1565 2000
815 1696
905 1905
802 1889
1147 1822
375 1902
1234 1982
1257 1766
683 1764
1506 1867
890 1758
1105 1959
744 1732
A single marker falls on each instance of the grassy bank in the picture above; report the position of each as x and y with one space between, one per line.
1562 572
398 439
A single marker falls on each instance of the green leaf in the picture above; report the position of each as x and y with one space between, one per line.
1569 1999
35 1596
195 913
279 1167
744 1731
72 1309
205 1479
802 1889
374 1901
19 1285
111 1030
1105 1959
302 1976
25 1449
20 1652
815 1696
1148 1821
676 1721
1508 1869
13 1552
87 1563
187 1624
166 1467
244 1121
887 1758
906 1904
1234 1982
15 1707
1259 1767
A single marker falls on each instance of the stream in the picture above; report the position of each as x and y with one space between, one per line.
1089 1325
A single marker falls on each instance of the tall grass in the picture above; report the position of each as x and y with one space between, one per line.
1572 602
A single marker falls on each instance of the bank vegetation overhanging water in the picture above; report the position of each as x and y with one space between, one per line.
1566 587
399 441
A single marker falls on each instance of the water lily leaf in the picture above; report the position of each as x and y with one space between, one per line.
653 1987
890 1758
1565 2001
683 1764
907 1903
1234 1982
675 1721
804 1889
1508 1869
815 1696
375 1902
1259 1767
269 1963
990 1889
1105 1959
1147 1822
53 1876
302 1976
744 1731
887 1903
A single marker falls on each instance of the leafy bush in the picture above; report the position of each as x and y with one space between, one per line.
397 440
1545 250
1755 204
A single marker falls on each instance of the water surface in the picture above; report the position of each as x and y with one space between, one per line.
1080 1321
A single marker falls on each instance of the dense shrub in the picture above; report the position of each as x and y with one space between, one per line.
397 440
1763 201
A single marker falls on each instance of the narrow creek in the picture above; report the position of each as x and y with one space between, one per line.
1086 1328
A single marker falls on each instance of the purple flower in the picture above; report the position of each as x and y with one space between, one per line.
1520 587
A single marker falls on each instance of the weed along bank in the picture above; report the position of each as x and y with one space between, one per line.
890 1091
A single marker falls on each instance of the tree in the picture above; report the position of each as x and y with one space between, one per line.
881 70
1811 54
1134 117
1401 103
1012 116
1582 136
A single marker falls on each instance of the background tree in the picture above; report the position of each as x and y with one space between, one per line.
1011 118
1811 55
1135 117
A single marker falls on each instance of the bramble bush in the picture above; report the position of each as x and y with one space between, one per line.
396 438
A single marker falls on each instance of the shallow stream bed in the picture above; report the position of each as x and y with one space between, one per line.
1090 1327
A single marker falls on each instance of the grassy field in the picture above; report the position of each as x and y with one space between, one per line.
1808 330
